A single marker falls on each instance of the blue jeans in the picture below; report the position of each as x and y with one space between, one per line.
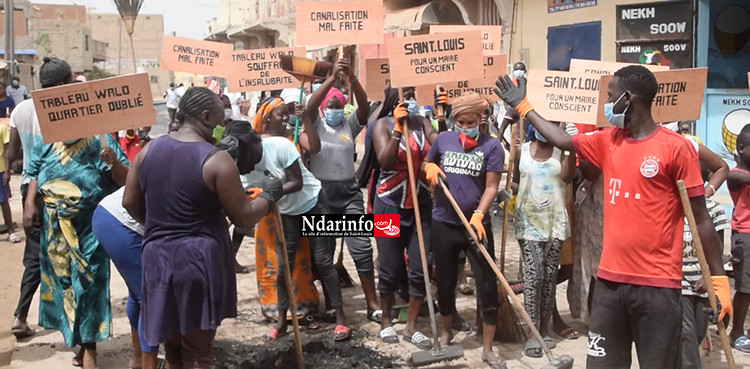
123 246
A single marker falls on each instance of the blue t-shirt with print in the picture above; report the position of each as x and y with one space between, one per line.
465 173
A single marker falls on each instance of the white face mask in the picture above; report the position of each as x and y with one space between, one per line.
228 113
518 73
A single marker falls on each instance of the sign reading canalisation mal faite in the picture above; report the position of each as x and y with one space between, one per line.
670 20
339 22
86 109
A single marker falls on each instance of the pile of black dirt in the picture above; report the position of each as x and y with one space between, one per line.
319 351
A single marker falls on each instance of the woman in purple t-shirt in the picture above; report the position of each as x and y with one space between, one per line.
471 164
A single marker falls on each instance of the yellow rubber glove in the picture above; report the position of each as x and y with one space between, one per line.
400 115
432 171
721 289
252 193
476 223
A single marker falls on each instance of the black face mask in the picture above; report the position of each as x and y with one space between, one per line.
239 140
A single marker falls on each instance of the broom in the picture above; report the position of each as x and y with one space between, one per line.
509 328
561 362
705 272
344 277
304 70
437 353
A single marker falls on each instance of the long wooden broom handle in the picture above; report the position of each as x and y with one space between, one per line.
506 205
504 282
289 287
705 271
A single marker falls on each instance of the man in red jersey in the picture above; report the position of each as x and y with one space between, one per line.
637 294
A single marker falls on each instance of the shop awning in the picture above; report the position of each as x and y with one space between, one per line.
417 18
21 52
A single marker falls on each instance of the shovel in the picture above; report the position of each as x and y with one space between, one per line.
561 362
437 353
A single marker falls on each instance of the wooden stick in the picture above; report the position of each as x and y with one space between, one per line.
503 282
289 287
418 221
296 121
705 272
506 205
521 135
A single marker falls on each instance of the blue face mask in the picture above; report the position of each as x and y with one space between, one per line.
617 120
333 116
539 136
411 107
315 86
471 132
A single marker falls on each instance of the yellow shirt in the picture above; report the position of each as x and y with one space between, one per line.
4 139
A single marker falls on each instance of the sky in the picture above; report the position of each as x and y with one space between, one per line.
185 17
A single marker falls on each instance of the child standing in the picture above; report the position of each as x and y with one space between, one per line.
5 188
738 183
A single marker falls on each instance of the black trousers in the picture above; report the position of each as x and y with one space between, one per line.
31 277
623 314
447 243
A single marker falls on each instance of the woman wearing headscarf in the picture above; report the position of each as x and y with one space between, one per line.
394 196
302 196
471 164
182 189
334 167
72 177
542 224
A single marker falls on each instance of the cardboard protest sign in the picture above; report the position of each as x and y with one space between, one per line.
564 96
194 56
491 35
86 109
494 66
339 22
679 97
605 67
433 59
377 76
260 69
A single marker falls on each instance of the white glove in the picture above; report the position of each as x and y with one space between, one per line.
571 129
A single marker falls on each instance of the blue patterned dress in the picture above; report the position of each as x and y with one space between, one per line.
74 269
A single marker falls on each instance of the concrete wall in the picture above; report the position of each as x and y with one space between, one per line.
67 39
51 11
147 36
533 20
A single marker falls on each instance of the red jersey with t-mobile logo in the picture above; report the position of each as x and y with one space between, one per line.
643 215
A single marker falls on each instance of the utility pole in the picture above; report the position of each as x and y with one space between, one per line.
9 46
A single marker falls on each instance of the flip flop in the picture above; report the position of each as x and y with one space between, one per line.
375 316
273 334
741 344
533 349
419 340
341 333
388 335
498 363
569 334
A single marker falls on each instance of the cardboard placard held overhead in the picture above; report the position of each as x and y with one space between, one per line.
339 22
494 66
98 107
605 67
491 35
194 56
564 96
433 59
377 77
260 69
679 97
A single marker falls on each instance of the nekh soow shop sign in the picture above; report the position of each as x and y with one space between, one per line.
671 20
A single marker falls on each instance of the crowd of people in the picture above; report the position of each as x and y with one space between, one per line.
160 211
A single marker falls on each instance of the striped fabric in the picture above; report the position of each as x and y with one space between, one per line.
691 271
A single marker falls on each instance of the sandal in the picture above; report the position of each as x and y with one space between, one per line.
532 349
375 316
77 359
273 334
419 340
388 335
21 330
741 344
569 333
13 238
465 289
341 333
498 363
